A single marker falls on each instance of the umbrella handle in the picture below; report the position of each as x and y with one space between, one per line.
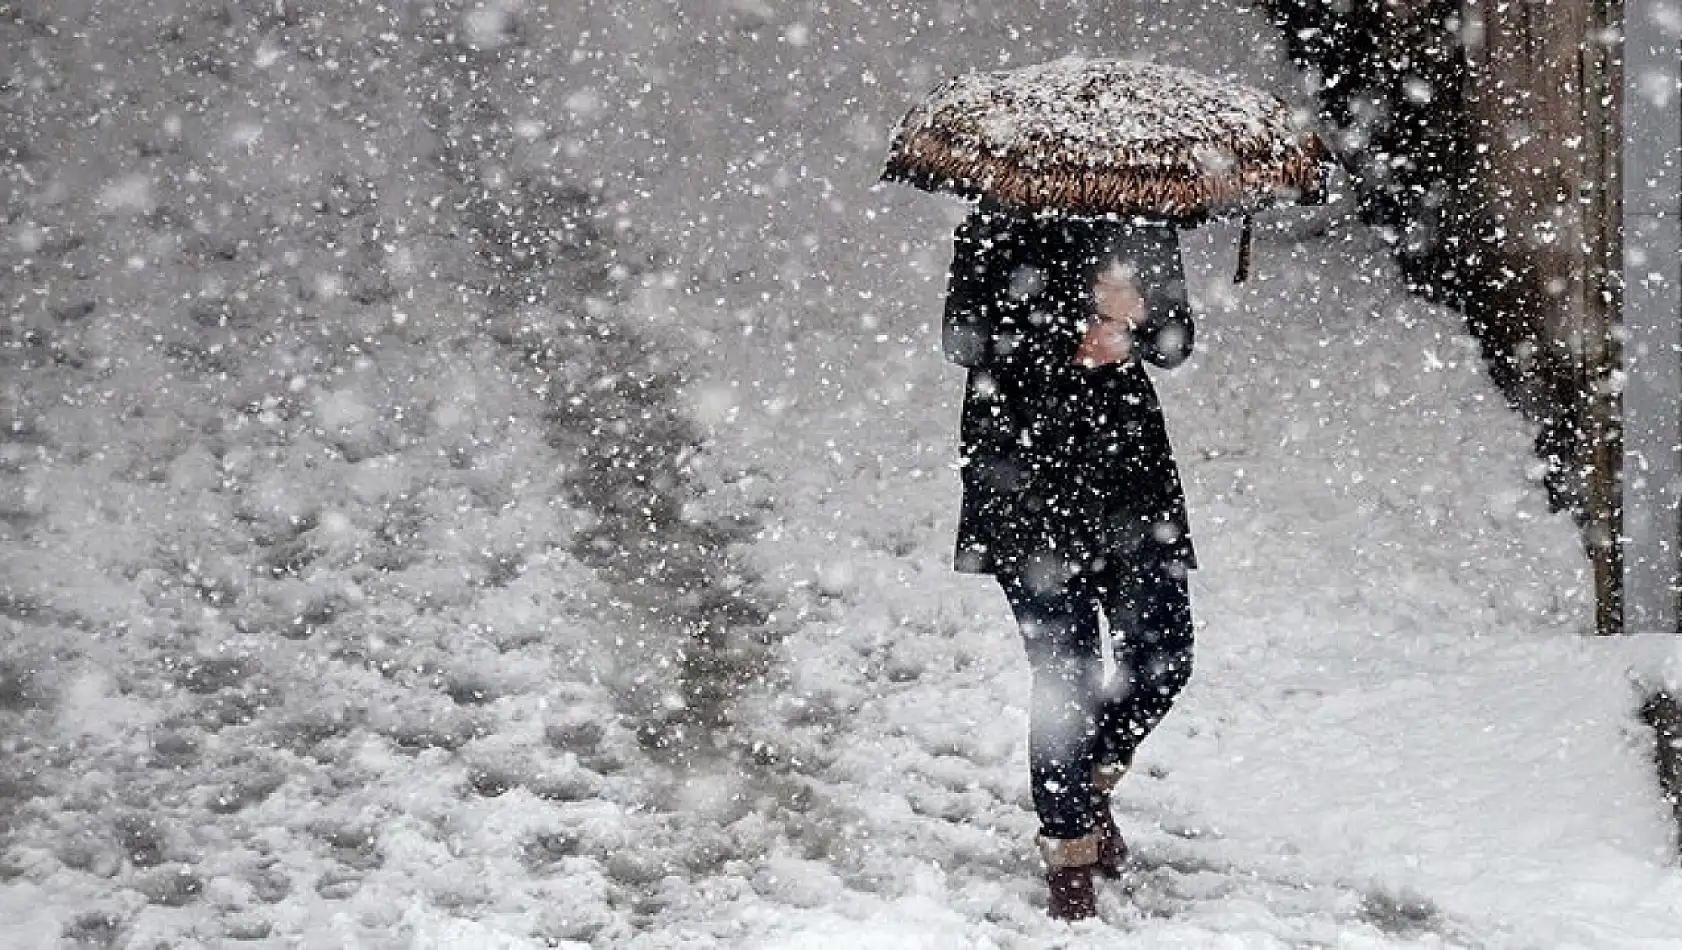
1244 238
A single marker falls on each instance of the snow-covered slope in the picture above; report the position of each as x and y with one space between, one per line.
401 551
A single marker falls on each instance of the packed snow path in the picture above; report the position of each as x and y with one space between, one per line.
1397 734
307 641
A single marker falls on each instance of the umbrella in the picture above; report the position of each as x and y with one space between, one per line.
1109 137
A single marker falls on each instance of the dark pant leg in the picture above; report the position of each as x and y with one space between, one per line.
1149 610
1060 635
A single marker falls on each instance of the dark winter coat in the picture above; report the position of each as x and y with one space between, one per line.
1064 467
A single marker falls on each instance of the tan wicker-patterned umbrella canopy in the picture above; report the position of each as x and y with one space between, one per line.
1109 136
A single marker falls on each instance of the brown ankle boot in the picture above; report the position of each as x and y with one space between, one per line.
1112 850
1068 875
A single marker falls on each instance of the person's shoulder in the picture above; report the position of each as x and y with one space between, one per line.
993 218
1143 239
995 232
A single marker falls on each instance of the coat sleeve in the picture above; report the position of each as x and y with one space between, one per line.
967 327
1166 335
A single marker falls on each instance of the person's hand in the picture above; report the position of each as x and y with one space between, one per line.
1116 296
1120 307
1105 342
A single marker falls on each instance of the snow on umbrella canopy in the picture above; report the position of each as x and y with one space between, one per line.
1101 137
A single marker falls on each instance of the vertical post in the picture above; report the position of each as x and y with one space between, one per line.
1597 353
1652 315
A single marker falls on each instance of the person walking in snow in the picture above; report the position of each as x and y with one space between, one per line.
1072 500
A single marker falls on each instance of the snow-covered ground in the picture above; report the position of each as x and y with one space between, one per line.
398 551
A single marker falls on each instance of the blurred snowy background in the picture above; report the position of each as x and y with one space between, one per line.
481 475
